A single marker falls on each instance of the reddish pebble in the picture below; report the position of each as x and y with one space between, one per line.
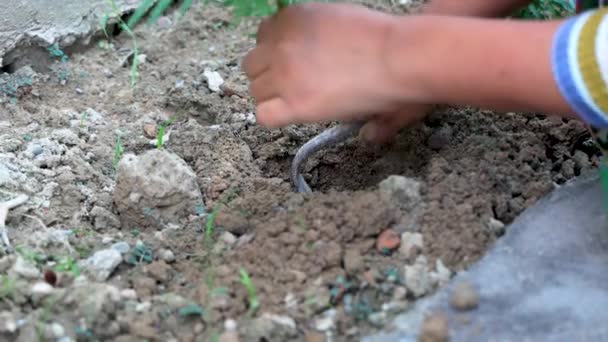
388 241
50 277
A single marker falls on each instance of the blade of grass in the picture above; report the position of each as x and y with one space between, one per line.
140 11
158 10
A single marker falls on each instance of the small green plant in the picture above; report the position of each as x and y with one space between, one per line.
104 25
8 286
160 135
210 224
254 302
56 51
30 255
68 264
83 118
118 151
546 9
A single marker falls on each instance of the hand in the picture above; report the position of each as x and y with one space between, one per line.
381 129
317 62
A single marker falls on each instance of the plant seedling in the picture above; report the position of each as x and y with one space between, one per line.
118 151
254 303
68 264
160 135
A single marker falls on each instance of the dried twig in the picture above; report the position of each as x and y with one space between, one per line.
4 208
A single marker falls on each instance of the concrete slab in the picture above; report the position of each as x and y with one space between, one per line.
30 26
545 280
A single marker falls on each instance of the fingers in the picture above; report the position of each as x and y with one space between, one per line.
256 62
264 30
273 113
383 129
263 87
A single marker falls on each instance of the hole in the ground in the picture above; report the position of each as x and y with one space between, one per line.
9 68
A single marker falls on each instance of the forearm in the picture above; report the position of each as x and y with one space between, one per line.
473 8
494 64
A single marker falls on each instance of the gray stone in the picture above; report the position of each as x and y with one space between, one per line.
122 247
25 269
410 242
403 190
8 323
155 189
102 263
417 277
38 24
104 219
167 256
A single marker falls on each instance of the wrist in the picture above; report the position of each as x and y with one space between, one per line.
495 64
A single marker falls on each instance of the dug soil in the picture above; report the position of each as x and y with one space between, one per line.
384 226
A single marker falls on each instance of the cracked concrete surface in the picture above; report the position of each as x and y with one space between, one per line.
28 27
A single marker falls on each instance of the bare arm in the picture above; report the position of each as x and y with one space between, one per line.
490 63
474 8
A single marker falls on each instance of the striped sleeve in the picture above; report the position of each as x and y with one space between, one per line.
580 65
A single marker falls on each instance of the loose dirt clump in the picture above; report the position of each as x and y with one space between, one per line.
385 225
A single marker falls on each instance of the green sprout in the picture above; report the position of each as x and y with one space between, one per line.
160 135
127 29
118 151
83 119
68 264
56 51
8 286
254 303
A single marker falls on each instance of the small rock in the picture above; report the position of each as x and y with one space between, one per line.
377 318
8 323
327 321
57 330
387 241
79 91
159 270
442 274
102 263
228 238
25 269
400 293
143 307
164 22
167 256
353 261
107 240
155 189
104 219
214 80
291 301
128 294
402 190
41 290
314 336
581 160
142 58
150 130
417 278
122 247
464 297
434 329
410 244
6 263
495 226
270 327
107 73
